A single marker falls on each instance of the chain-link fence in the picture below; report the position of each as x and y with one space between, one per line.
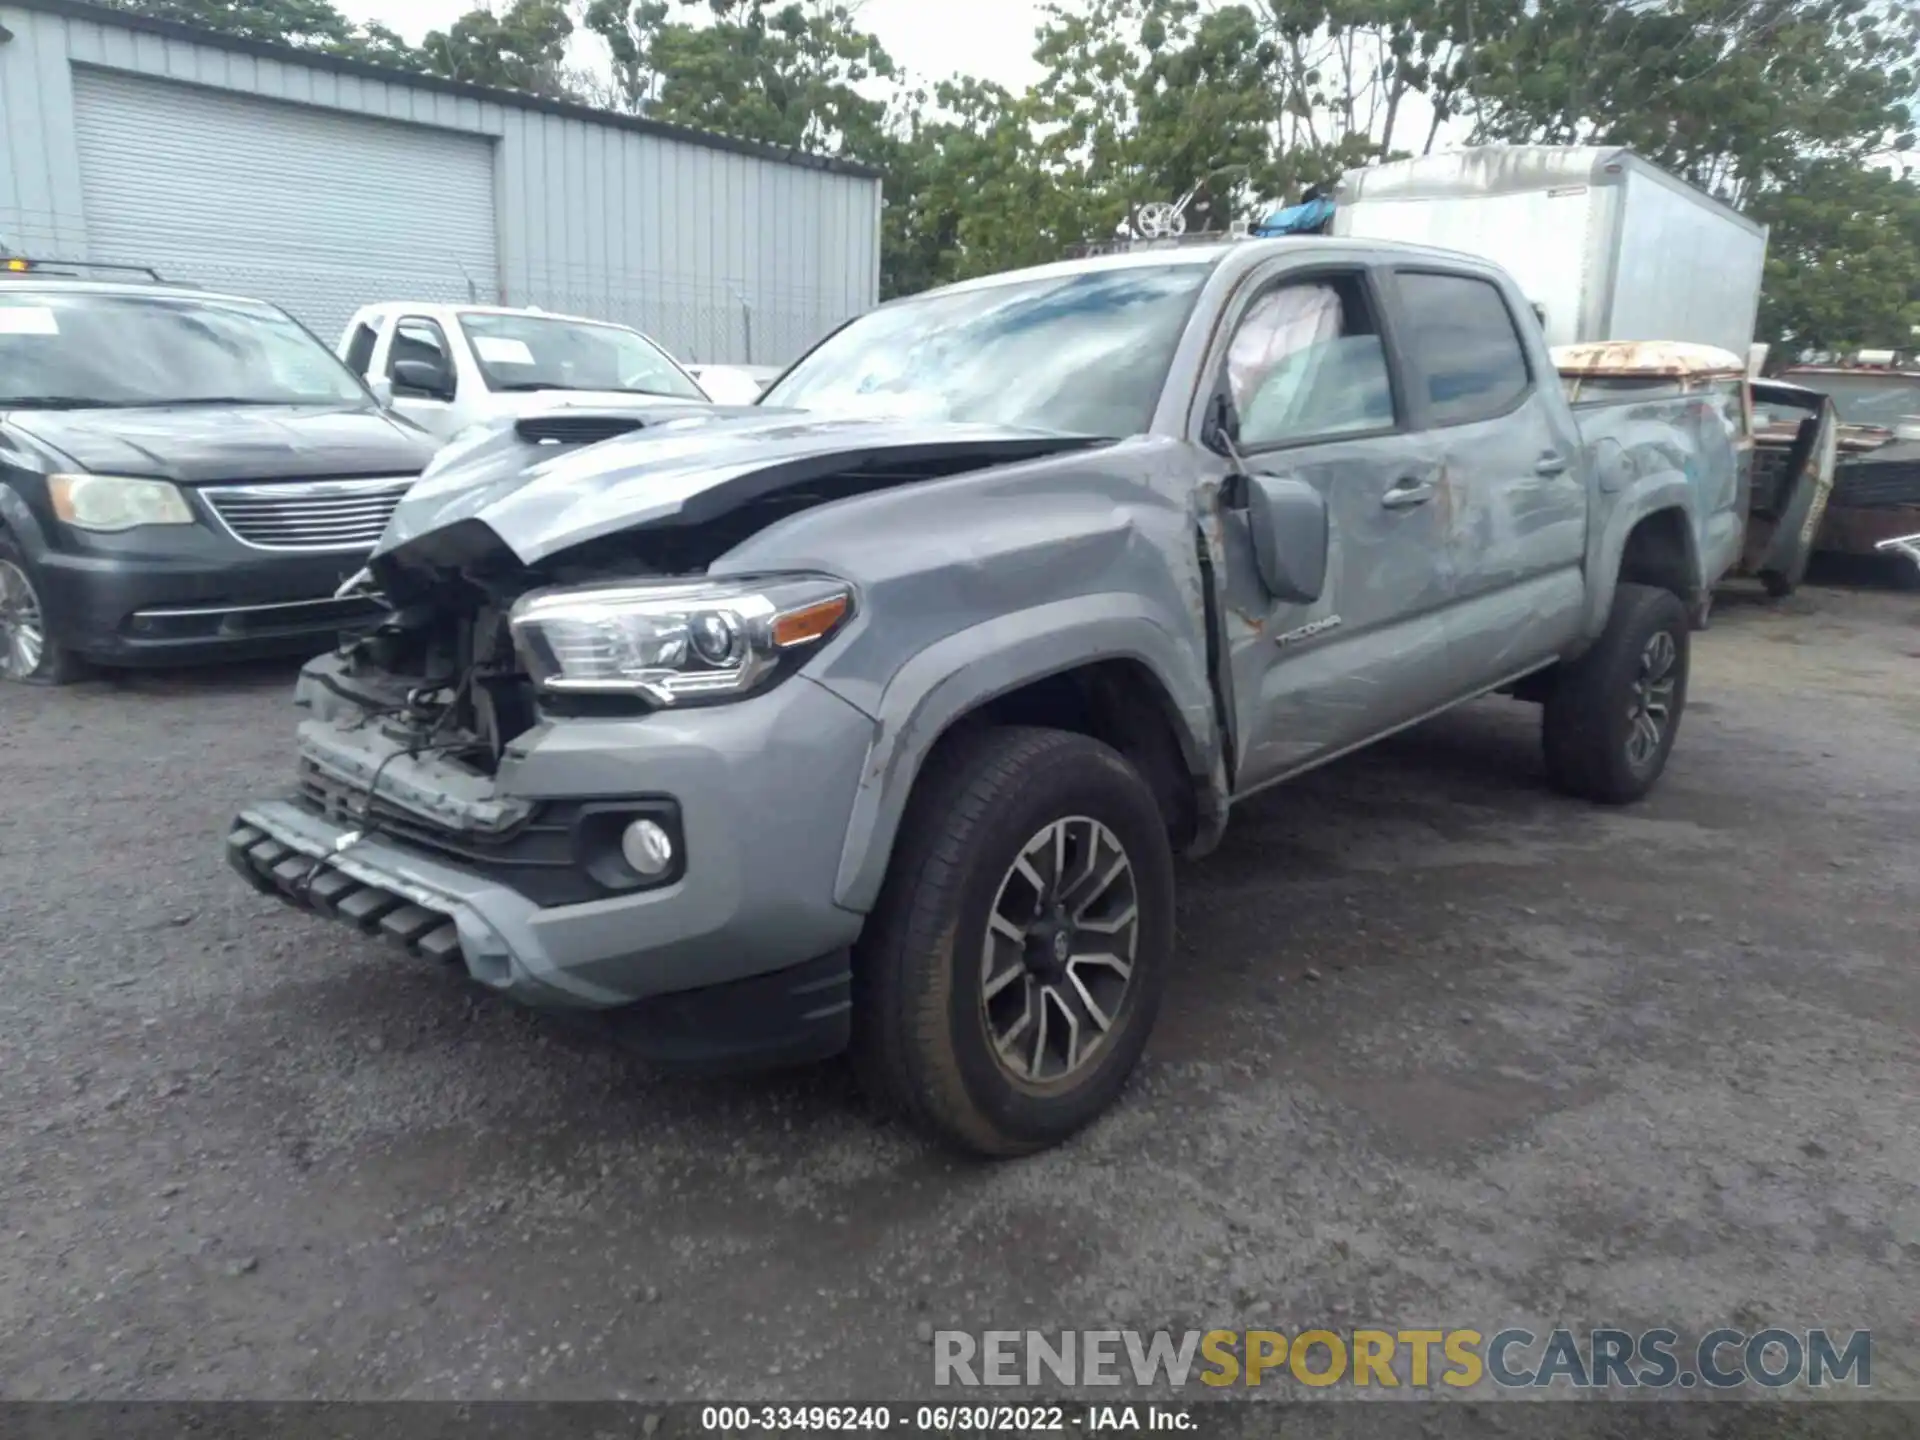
700 320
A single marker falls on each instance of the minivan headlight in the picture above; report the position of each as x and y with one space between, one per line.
676 641
117 502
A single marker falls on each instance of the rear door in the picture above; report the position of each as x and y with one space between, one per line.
1511 512
1310 371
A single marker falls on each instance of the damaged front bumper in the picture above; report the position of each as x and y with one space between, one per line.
739 958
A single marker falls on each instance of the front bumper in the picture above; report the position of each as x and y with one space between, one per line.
153 610
759 787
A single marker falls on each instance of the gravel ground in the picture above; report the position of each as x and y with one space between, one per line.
1444 1048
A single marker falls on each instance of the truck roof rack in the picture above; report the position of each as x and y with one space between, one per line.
13 266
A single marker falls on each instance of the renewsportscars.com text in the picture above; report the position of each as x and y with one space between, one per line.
1417 1359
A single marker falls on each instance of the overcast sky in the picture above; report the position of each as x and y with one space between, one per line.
989 38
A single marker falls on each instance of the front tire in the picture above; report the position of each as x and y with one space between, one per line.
29 655
1614 713
1009 976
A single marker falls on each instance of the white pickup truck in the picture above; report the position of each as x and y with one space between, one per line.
444 367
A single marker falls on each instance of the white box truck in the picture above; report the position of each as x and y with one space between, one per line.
1606 245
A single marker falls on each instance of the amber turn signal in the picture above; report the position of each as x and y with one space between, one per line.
810 622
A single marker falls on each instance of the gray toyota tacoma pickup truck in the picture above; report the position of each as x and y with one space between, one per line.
874 716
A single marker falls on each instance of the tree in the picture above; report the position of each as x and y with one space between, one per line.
1843 259
1253 99
523 47
785 72
1731 94
1152 98
793 73
978 188
309 24
377 45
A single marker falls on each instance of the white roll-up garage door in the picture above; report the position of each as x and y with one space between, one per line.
316 210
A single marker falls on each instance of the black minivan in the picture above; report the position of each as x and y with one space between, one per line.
184 476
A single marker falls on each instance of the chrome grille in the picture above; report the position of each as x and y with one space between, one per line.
309 514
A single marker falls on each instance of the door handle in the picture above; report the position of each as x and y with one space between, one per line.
1407 494
1551 463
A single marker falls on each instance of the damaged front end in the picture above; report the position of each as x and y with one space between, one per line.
534 766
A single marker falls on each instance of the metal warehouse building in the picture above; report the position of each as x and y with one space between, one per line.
325 184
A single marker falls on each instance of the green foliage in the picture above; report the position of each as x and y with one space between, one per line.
310 24
786 72
1843 259
1734 95
522 47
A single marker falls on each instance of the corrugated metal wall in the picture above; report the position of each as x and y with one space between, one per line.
718 254
190 180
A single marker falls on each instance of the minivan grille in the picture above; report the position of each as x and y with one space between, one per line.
309 514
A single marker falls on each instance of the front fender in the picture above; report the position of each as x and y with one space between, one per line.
966 669
16 518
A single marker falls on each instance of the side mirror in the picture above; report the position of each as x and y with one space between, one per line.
382 392
422 376
1288 523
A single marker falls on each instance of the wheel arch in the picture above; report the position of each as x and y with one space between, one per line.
1651 541
1118 679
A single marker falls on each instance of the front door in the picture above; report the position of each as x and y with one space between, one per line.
1317 401
433 407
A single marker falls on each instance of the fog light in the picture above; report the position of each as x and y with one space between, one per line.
647 848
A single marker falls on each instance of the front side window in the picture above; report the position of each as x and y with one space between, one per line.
77 349
1464 347
1083 352
1307 362
546 352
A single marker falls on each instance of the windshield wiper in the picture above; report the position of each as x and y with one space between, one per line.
185 400
58 402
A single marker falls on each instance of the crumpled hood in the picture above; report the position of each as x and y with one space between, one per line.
684 467
195 444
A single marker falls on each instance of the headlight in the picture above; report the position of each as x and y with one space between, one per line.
117 502
676 641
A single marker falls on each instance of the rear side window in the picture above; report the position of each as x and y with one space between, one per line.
1466 353
360 349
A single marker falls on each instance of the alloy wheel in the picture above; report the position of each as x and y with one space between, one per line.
1059 951
23 631
1651 710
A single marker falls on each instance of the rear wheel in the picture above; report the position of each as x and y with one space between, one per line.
1614 713
28 652
1011 972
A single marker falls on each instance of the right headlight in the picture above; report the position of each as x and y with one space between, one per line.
675 641
117 502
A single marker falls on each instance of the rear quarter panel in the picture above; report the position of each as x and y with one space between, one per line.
1646 456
